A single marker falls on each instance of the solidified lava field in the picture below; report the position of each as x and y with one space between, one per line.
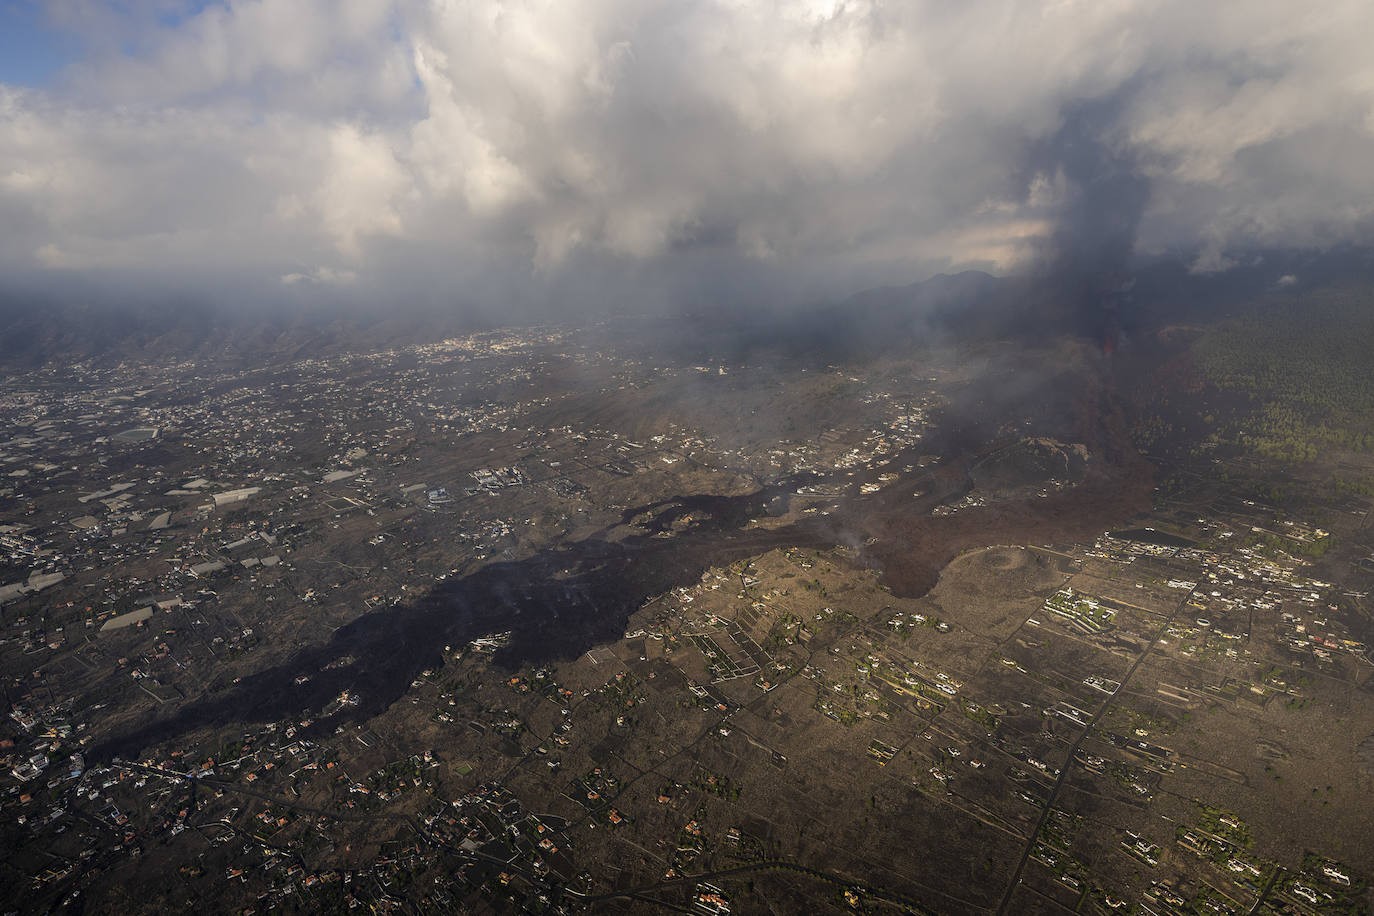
565 600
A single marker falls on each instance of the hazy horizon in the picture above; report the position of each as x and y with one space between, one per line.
491 156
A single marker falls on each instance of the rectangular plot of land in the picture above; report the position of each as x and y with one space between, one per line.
601 656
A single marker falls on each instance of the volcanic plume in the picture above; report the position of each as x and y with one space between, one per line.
1086 268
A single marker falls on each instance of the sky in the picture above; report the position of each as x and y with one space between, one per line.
561 153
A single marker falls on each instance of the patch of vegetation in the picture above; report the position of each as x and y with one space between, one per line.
1305 366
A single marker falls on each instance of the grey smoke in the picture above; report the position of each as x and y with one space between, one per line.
490 155
1087 262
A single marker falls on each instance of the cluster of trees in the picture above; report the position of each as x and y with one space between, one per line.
1305 363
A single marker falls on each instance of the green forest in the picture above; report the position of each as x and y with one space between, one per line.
1307 364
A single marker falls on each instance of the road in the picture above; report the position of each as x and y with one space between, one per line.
1073 756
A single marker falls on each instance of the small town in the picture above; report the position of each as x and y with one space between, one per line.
181 536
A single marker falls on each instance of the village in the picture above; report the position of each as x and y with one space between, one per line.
784 717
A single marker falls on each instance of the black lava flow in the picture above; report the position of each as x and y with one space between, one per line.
556 604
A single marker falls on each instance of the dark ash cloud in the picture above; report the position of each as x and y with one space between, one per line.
499 151
1087 262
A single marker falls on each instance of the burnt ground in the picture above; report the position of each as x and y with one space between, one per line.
571 597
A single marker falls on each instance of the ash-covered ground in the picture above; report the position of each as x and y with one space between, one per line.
556 620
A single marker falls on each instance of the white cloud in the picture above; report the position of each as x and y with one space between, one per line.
322 276
861 138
